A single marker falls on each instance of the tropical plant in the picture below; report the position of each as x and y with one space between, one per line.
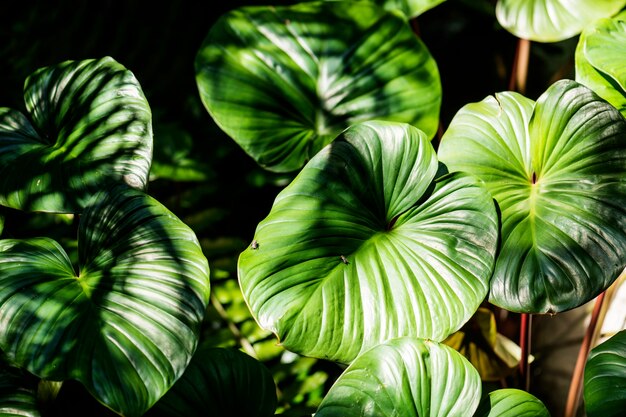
390 249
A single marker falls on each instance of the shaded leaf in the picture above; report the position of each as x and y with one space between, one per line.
220 383
605 378
556 169
601 60
406 378
410 8
126 325
552 20
477 341
361 237
511 403
18 393
87 124
285 81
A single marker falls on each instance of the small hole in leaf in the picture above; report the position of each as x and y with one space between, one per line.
534 178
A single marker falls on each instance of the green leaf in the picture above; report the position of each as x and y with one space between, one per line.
405 378
605 378
601 60
556 169
410 8
87 124
220 383
285 81
552 20
126 325
361 237
511 403
173 157
18 392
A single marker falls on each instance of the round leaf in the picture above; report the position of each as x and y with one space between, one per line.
405 378
552 20
361 237
556 169
87 124
605 378
285 81
127 324
220 383
601 60
511 403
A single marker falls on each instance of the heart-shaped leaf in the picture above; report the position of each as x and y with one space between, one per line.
87 124
605 378
601 60
362 247
511 403
552 20
557 169
285 81
220 383
405 378
127 324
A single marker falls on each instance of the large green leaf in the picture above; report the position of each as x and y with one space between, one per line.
511 403
601 60
557 169
18 392
405 378
87 124
220 383
363 246
126 325
285 81
605 378
552 20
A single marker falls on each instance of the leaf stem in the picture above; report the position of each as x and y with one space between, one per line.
519 72
525 340
241 339
573 397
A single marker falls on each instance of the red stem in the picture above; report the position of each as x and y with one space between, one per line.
524 367
573 397
519 72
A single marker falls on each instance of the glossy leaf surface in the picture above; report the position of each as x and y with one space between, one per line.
605 378
552 20
363 236
126 324
511 403
601 60
285 81
556 169
405 378
220 383
87 124
410 8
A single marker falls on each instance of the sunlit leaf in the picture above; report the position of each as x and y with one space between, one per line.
556 169
285 81
511 403
552 20
220 383
405 378
363 246
87 124
601 60
410 8
605 378
126 323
